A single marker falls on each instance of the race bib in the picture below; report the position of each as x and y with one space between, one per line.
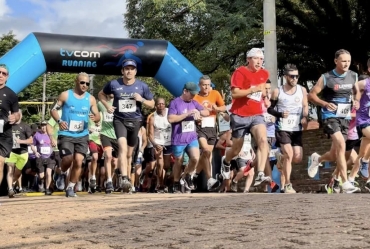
255 96
95 129
273 152
343 110
76 125
291 122
246 149
208 122
223 125
30 151
127 105
45 150
1 125
268 118
107 117
15 144
187 126
163 136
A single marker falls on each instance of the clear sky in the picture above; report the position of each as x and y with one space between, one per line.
74 17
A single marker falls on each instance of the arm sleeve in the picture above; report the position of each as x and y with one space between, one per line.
271 110
171 108
147 94
15 104
219 99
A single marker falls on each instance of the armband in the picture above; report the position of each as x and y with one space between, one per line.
56 107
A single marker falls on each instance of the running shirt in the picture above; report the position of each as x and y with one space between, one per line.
43 144
75 112
107 128
20 131
363 113
245 79
183 132
338 90
94 131
126 106
162 129
352 130
293 104
213 98
8 103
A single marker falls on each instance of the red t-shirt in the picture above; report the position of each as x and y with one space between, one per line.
245 79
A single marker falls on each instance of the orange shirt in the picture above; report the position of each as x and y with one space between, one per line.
244 79
213 98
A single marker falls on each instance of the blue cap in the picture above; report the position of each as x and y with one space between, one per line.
129 63
191 87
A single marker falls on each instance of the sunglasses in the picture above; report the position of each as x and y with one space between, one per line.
4 73
293 76
84 83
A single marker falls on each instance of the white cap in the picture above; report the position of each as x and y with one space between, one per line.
255 52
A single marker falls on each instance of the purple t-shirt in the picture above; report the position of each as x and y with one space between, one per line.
363 113
43 144
183 132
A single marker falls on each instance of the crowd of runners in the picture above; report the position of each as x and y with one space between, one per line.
108 145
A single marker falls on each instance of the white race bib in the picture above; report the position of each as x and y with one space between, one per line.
45 150
107 117
272 152
15 144
127 105
255 96
163 137
76 125
30 151
1 125
223 125
246 149
188 126
290 123
208 122
268 118
343 110
95 129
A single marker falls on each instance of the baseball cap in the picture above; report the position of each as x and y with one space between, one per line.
191 87
255 52
43 123
129 63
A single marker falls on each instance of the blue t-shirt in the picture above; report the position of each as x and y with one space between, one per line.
126 106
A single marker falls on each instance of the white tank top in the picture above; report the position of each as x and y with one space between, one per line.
162 129
292 104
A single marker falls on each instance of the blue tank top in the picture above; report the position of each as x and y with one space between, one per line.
75 112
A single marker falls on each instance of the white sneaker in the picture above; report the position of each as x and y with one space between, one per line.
225 170
212 184
314 167
349 188
79 186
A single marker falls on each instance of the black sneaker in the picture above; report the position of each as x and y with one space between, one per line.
189 181
11 193
60 182
92 183
70 192
367 186
234 186
109 187
48 192
126 185
176 188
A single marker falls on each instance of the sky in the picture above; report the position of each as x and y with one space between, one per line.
72 17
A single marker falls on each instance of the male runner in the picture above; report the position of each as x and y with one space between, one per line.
9 114
207 130
248 88
130 95
291 112
336 88
73 139
183 112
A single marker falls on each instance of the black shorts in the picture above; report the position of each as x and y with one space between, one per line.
109 142
128 129
237 164
209 133
56 157
44 163
31 164
333 125
351 144
6 145
149 155
70 145
289 137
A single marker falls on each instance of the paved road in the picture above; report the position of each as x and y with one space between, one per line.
186 221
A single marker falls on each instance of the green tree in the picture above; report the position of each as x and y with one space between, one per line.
7 42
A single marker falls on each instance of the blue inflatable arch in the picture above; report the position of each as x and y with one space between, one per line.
41 52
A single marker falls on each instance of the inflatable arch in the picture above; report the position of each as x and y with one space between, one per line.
41 52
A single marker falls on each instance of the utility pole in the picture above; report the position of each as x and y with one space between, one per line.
43 97
270 47
92 83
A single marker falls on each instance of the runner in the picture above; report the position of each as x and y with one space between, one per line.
22 138
130 95
336 88
182 114
159 134
207 130
248 88
291 112
9 114
73 128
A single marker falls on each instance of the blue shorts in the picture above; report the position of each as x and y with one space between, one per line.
178 150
